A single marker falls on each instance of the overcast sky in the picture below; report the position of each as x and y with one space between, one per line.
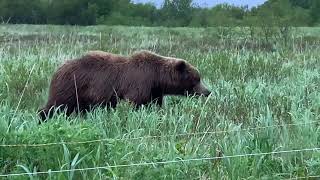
210 3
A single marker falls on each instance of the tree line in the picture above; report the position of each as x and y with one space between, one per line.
172 13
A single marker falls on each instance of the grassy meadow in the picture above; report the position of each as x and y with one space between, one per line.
265 98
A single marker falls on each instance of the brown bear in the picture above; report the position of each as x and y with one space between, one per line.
102 79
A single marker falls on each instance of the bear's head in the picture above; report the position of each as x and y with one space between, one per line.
187 80
177 77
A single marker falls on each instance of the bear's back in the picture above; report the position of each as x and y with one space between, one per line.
105 57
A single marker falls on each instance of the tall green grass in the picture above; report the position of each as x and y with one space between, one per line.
254 86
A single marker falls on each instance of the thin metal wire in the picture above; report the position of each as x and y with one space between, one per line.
19 102
151 137
305 177
163 162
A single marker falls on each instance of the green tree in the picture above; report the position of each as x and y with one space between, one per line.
200 17
20 11
145 13
315 15
81 12
301 3
177 12
282 13
273 13
226 15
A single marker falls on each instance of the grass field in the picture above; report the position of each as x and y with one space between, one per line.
265 104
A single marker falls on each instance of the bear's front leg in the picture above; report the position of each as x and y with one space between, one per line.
157 96
158 100
138 98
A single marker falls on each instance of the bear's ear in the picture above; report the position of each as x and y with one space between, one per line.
181 66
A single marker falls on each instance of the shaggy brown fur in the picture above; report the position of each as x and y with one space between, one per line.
101 78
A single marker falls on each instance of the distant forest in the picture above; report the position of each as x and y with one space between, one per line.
172 13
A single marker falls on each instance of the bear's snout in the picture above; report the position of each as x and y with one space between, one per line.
201 90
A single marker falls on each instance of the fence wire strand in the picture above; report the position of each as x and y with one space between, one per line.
305 177
151 137
163 162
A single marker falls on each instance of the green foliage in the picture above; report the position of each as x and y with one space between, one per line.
226 15
315 8
282 13
177 12
18 11
173 13
302 3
